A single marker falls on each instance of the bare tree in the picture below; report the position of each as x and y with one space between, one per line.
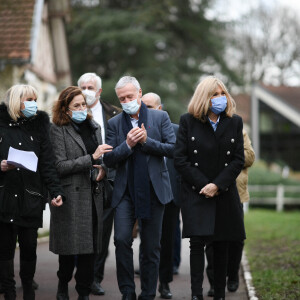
265 45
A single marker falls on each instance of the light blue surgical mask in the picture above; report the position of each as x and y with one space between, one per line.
78 116
30 109
131 108
218 104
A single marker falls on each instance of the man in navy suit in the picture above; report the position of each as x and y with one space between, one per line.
171 214
141 138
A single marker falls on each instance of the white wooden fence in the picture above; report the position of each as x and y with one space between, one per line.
280 200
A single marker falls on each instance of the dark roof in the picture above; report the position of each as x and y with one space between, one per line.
16 17
288 94
243 106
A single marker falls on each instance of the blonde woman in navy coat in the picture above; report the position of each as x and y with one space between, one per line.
209 155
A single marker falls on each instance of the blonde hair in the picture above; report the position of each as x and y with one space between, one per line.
199 104
13 98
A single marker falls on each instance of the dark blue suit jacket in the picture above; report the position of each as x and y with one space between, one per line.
160 142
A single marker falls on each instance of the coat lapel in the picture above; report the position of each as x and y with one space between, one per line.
224 122
149 127
97 132
76 137
121 136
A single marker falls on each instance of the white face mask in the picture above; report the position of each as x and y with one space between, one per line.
90 97
131 108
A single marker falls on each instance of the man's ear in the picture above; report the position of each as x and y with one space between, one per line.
98 93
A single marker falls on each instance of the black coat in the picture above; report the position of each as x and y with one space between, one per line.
22 192
203 156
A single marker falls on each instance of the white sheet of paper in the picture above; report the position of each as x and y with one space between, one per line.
22 159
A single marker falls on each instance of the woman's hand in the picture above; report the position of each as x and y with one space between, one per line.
210 190
5 166
57 201
101 149
101 173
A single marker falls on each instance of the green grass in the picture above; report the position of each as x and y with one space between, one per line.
43 234
273 251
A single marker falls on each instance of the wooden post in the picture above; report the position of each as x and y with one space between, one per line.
280 197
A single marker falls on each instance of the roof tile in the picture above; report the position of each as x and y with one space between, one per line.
16 18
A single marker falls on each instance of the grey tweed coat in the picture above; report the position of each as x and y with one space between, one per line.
71 225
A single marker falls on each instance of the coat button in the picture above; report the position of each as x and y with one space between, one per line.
226 164
228 153
232 141
195 151
226 190
196 164
20 144
16 195
10 124
192 138
18 169
11 220
193 188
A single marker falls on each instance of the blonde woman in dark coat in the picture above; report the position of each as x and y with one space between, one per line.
22 200
209 156
235 247
77 228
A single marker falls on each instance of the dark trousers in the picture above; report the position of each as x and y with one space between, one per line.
150 234
196 265
220 253
234 259
167 241
235 251
84 272
99 263
27 238
177 244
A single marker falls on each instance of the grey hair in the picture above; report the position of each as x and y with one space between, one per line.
86 77
155 96
125 80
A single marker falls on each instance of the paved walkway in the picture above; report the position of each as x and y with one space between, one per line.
47 266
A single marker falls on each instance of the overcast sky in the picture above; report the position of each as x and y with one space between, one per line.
233 9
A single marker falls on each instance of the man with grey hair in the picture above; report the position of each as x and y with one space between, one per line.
141 138
171 214
91 85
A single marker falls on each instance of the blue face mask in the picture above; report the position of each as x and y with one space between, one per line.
30 109
218 104
78 116
131 108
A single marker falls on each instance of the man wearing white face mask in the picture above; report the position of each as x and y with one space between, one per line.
140 138
91 86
